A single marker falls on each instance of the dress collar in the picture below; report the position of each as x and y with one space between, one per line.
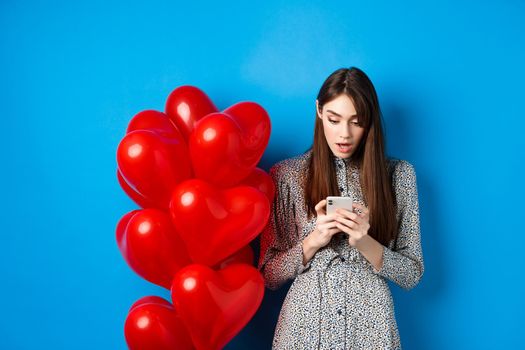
349 162
343 161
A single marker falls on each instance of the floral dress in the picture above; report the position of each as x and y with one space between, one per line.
338 300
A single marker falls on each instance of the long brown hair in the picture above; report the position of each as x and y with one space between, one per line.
375 181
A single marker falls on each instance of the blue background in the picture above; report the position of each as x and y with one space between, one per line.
449 76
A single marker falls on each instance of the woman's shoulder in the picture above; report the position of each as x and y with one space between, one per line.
401 169
291 167
396 163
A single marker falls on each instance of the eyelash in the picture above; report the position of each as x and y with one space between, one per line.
336 121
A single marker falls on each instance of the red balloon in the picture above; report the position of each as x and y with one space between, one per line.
186 105
216 305
152 165
226 147
152 247
255 124
149 300
160 124
134 195
154 324
121 233
157 122
243 256
121 226
216 223
261 181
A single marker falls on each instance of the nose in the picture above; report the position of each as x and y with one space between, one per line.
345 132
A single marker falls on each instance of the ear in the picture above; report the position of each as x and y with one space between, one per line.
317 111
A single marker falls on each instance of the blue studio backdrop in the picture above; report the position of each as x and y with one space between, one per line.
449 76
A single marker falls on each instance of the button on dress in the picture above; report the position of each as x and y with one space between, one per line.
338 300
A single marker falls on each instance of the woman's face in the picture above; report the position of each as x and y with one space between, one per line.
341 130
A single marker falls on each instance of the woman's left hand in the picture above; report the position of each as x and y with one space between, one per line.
356 225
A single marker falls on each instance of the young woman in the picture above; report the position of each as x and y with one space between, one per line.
340 263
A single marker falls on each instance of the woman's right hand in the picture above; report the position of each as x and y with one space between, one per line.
325 228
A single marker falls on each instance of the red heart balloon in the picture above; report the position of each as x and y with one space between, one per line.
157 122
216 305
260 179
255 124
152 247
154 324
243 256
121 235
152 165
160 124
215 223
226 147
134 195
186 105
150 300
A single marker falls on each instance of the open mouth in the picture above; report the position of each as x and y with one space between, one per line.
344 147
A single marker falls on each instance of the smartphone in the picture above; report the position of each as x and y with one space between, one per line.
336 202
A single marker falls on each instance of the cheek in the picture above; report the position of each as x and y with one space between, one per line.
359 134
328 131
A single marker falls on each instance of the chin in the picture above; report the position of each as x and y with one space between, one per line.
342 155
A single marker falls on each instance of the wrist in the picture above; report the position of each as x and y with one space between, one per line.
373 251
309 249
311 241
365 244
307 244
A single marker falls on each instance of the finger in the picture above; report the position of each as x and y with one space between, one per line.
333 231
327 225
362 207
352 216
319 207
347 214
326 218
348 222
345 228
331 216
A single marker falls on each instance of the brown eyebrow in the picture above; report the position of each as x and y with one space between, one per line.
339 115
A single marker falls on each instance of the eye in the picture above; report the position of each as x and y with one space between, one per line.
356 122
332 121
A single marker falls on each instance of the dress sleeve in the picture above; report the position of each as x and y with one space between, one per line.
281 254
403 264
